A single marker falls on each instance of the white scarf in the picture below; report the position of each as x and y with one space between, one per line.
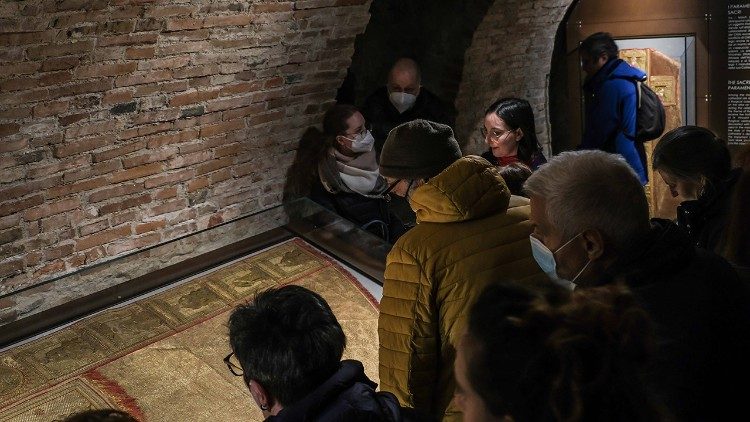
359 173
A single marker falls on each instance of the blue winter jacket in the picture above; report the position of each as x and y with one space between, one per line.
610 113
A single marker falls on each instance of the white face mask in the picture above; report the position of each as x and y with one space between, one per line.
546 260
402 100
363 142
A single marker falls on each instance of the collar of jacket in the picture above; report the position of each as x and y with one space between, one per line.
691 214
657 255
601 75
468 189
350 372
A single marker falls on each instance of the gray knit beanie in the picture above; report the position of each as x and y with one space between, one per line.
419 149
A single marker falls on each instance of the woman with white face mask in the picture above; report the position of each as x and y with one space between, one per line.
348 177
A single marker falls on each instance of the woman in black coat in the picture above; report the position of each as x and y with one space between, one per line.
696 165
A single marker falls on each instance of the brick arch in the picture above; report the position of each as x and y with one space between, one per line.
510 55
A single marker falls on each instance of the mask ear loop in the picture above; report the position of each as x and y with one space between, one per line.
580 272
408 188
390 187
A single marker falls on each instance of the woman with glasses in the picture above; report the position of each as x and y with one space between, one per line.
510 133
346 175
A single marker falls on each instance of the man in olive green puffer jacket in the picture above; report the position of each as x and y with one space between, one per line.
470 231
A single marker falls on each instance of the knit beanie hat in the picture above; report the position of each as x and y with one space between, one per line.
419 149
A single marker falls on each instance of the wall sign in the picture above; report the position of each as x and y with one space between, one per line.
738 65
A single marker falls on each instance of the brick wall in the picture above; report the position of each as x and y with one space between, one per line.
127 123
509 56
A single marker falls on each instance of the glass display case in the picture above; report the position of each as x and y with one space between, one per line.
31 310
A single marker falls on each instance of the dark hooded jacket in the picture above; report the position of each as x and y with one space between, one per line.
347 396
611 111
702 315
705 218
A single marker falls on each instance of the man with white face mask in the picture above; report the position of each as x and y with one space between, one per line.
403 99
591 228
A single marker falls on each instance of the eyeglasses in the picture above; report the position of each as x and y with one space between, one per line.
365 128
234 365
494 135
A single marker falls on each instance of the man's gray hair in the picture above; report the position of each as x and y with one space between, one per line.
592 190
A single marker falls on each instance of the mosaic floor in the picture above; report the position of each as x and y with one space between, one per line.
160 358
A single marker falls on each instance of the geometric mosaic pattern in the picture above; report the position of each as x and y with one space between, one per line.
161 358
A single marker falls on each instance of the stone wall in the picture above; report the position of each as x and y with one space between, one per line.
127 123
509 56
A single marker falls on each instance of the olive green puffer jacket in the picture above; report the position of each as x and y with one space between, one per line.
470 231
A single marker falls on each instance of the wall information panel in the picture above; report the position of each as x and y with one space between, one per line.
738 72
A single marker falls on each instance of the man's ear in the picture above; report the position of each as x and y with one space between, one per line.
594 244
260 395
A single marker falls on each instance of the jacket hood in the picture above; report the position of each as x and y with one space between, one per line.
468 189
350 373
616 68
623 70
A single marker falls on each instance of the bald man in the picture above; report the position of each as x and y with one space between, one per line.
402 100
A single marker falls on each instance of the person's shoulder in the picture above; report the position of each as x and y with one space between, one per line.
430 100
362 403
718 272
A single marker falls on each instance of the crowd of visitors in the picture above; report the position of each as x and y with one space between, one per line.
530 289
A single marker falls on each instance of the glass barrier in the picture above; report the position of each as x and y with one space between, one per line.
114 279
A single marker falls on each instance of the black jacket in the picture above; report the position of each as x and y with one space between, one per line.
704 218
347 396
702 315
383 116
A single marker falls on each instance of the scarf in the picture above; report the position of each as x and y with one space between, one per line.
359 173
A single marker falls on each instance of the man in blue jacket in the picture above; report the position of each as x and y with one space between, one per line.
610 99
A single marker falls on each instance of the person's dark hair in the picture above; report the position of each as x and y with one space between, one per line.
600 43
517 113
288 340
334 121
515 175
313 147
101 415
578 358
693 153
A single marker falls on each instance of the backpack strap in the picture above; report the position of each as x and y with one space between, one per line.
637 83
638 93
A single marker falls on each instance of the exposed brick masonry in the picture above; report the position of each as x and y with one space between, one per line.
127 123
